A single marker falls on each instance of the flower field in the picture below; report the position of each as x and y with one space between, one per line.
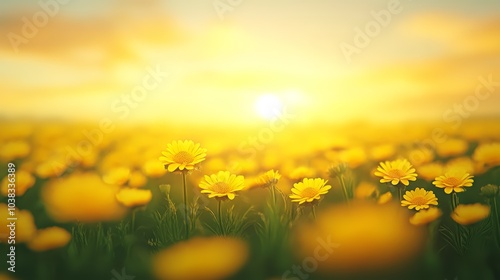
326 202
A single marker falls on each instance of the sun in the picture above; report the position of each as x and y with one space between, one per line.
268 106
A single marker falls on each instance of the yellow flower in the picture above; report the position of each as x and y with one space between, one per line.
201 258
221 185
116 176
361 236
182 155
382 152
426 216
24 181
353 157
461 164
153 168
309 190
337 169
488 154
396 171
25 227
420 156
302 172
270 178
384 198
134 197
49 238
14 150
454 181
419 199
82 197
365 190
137 179
452 147
429 171
467 214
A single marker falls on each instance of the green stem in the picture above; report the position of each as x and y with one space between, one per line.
344 188
314 212
273 195
495 208
219 214
401 190
186 205
454 201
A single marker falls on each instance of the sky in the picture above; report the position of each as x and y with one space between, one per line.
227 62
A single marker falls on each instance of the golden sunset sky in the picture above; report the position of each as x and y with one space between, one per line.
84 61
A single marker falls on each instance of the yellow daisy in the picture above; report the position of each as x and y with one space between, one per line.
309 190
396 171
467 214
182 155
426 216
221 185
454 181
419 199
270 178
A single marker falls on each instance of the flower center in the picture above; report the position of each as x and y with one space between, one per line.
309 192
183 157
395 173
221 187
452 181
419 200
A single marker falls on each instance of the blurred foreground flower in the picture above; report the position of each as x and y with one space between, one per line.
370 237
116 176
182 155
24 228
24 181
82 197
222 185
384 198
454 182
467 214
153 168
49 238
129 197
419 199
365 190
14 150
201 258
426 216
309 190
398 171
488 154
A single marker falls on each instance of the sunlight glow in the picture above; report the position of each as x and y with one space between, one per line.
268 106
